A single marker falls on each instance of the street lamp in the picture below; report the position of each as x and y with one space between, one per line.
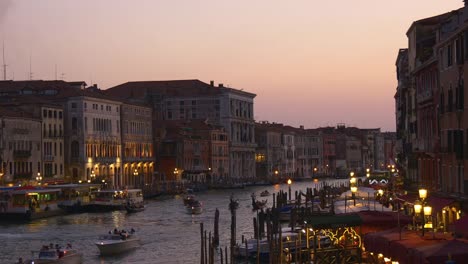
367 172
92 175
289 188
135 173
353 193
39 178
424 208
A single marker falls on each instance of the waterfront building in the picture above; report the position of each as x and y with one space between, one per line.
52 137
452 51
137 143
92 145
308 153
269 153
402 104
193 99
328 136
20 146
430 111
186 151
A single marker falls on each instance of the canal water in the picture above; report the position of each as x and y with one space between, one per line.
168 233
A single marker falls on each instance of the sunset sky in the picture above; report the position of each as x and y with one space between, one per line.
312 63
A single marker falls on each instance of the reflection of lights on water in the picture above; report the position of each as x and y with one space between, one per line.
277 187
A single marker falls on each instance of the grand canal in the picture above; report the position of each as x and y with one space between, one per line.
168 233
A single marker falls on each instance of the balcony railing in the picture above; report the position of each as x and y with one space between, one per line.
21 154
48 158
24 175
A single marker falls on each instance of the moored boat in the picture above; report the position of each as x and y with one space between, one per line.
110 200
75 198
117 242
52 255
29 202
265 193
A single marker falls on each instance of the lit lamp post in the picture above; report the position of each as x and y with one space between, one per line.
135 173
367 172
92 175
289 188
39 178
1 177
315 171
353 193
421 207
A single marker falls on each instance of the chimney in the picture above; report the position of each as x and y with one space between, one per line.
302 127
211 83
220 85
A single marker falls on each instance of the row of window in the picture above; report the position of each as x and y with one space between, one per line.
108 108
52 114
48 149
137 128
52 132
23 167
21 145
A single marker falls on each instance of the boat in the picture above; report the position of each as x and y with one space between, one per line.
265 193
117 242
29 202
51 254
188 199
134 208
195 207
75 198
110 200
251 246
258 205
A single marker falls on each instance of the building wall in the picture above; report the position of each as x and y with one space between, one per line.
137 146
94 140
52 142
21 151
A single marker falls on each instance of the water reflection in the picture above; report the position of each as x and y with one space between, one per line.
168 233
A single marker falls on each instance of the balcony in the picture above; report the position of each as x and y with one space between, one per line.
48 158
24 175
21 154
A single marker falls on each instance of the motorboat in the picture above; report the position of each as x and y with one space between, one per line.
195 207
188 199
117 242
265 193
51 254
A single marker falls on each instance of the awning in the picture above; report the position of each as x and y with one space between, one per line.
334 221
438 203
461 226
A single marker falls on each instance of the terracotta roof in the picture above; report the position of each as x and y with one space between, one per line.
180 88
56 89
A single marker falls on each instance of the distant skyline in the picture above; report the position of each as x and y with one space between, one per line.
312 63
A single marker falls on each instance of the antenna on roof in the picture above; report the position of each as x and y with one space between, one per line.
62 76
55 71
30 68
4 64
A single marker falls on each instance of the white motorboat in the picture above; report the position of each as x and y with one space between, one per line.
50 255
117 242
